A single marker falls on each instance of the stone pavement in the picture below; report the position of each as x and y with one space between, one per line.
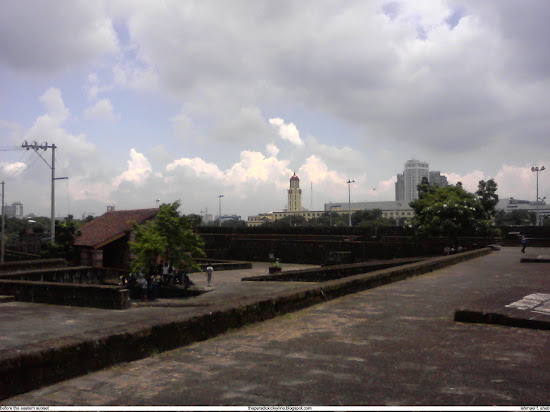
397 344
36 322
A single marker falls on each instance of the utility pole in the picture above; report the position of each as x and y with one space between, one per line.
220 211
35 146
2 253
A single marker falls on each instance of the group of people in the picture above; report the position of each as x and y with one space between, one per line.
451 250
162 274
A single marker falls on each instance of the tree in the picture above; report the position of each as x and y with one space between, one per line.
234 223
450 211
170 236
65 234
287 221
486 193
369 218
424 188
328 219
515 218
195 219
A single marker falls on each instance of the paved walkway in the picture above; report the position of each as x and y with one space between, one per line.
37 322
394 345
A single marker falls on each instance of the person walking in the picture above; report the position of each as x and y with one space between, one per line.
209 270
142 282
523 241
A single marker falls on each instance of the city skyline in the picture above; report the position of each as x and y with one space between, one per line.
169 101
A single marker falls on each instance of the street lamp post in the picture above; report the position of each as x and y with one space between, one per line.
220 211
349 182
537 169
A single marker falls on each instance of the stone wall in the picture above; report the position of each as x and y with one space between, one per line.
72 286
295 249
323 274
70 294
21 265
80 274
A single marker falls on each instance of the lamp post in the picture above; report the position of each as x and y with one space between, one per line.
220 211
537 169
349 182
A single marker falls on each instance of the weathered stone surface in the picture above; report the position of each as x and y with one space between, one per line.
393 345
91 351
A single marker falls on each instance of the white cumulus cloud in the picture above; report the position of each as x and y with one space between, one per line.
287 131
102 110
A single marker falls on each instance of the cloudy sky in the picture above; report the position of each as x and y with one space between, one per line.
187 100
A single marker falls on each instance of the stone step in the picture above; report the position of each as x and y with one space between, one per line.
6 298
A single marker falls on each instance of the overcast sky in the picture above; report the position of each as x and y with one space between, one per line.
187 100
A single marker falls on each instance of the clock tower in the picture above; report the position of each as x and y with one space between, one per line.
294 195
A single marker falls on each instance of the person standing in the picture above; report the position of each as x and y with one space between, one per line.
142 282
523 241
209 270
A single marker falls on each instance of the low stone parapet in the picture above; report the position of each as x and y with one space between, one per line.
79 274
325 273
70 294
25 265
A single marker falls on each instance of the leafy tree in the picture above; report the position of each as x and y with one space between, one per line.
486 193
65 234
234 223
515 218
329 219
170 235
450 211
369 218
195 219
424 188
287 221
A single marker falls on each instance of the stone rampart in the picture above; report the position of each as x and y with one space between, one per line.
79 274
325 273
70 294
24 265
32 366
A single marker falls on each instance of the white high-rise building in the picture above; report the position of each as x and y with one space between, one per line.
294 195
414 171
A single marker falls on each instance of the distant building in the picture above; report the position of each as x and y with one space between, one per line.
406 184
400 188
15 210
415 170
294 195
294 207
390 209
511 204
104 241
225 218
435 178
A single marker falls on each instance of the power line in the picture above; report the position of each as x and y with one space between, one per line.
44 146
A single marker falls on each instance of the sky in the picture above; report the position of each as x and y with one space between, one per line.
187 100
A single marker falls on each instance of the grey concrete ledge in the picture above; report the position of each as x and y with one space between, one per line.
494 318
35 365
536 259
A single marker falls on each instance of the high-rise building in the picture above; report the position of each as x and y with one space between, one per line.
435 178
15 210
294 195
414 171
406 186
400 188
